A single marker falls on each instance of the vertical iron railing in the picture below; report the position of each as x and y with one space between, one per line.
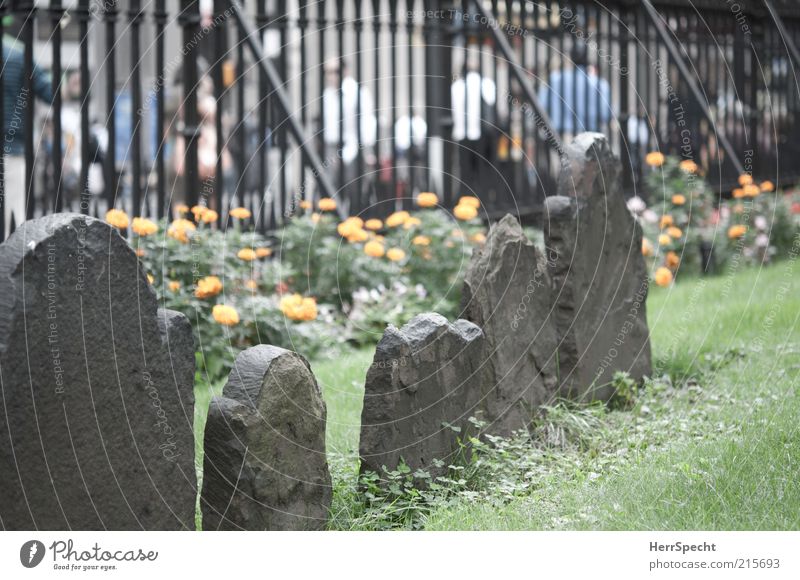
356 100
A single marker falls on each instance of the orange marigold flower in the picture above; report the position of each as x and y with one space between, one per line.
738 193
678 199
373 225
465 212
359 235
412 222
140 252
666 221
674 232
374 249
478 238
663 276
295 307
767 186
751 190
315 217
469 200
654 159
688 166
395 254
427 199
398 218
305 204
209 216
247 254
181 209
664 240
745 179
240 213
198 211
208 287
421 241
174 285
737 231
647 247
117 218
349 227
263 252
179 229
225 315
143 226
672 260
327 204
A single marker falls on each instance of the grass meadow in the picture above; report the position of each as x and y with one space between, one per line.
711 442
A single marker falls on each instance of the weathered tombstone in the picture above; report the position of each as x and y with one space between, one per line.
265 466
98 403
599 276
507 293
426 379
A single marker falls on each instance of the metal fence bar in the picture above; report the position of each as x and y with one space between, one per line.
689 79
282 100
732 83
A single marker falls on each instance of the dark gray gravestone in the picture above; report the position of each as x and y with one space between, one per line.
507 293
425 378
265 466
599 275
97 386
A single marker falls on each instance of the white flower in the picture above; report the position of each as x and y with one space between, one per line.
760 222
762 240
636 204
650 216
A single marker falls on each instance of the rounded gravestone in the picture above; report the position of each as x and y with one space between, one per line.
265 466
97 399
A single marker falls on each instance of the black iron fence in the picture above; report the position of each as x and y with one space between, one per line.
145 104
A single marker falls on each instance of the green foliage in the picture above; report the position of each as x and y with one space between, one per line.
625 389
752 226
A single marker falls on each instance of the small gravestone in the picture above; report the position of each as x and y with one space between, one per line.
507 293
423 386
599 276
98 403
265 466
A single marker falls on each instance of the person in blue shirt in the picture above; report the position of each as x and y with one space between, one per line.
576 99
16 107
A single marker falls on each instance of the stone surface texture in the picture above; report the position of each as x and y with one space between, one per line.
97 401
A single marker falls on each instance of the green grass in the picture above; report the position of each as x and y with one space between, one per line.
716 446
712 442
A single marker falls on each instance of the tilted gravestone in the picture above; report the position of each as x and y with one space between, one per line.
599 275
265 466
507 293
97 398
424 384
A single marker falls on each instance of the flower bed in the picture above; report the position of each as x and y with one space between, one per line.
688 228
319 285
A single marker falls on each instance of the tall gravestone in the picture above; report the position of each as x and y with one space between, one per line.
265 466
507 293
599 276
424 384
97 401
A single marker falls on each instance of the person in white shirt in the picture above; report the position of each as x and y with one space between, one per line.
472 126
331 122
477 89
